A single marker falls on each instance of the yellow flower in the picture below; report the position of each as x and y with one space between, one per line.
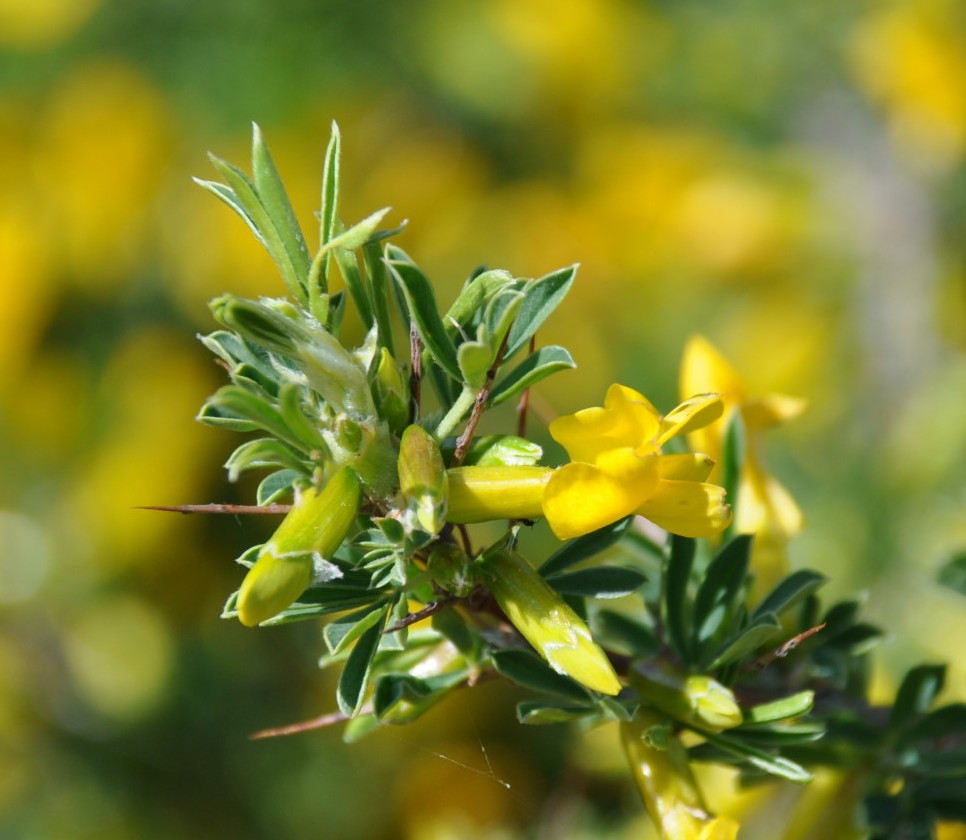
764 506
617 468
667 785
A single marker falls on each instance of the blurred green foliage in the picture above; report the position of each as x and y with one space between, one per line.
788 180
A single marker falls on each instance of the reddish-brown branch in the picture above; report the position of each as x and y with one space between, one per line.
219 508
479 406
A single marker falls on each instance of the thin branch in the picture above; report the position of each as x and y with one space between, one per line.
219 508
524 404
430 609
304 726
416 373
465 539
479 406
783 650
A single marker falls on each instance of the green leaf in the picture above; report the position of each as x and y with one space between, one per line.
341 632
542 713
530 671
600 582
277 486
231 401
290 405
474 296
271 192
733 462
916 694
246 195
537 366
793 706
542 296
616 631
781 736
420 694
355 673
585 547
379 292
722 585
421 303
675 604
349 267
946 722
330 187
953 574
260 453
791 590
762 630
762 760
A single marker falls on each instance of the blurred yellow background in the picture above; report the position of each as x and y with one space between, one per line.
788 179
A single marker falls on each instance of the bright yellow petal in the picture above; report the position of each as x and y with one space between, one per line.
627 419
721 828
688 508
688 467
581 498
694 413
704 370
765 506
771 410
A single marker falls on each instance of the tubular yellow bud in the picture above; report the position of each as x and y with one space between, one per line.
668 787
311 531
696 699
422 478
545 620
480 494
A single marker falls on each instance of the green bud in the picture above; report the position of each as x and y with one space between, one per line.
258 322
389 392
335 374
695 699
546 621
310 533
422 478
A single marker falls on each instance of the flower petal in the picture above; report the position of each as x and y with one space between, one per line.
627 419
771 410
694 413
704 369
687 467
688 508
580 498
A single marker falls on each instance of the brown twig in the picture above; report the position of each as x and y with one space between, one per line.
783 650
430 609
524 404
415 373
219 508
303 726
479 406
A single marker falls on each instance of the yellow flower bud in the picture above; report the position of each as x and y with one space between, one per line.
668 787
422 478
545 620
310 533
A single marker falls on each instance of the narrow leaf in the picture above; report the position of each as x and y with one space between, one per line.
341 632
600 582
530 671
355 673
791 590
916 694
585 547
675 604
773 764
421 303
271 191
542 297
793 706
722 585
537 366
763 629
536 713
